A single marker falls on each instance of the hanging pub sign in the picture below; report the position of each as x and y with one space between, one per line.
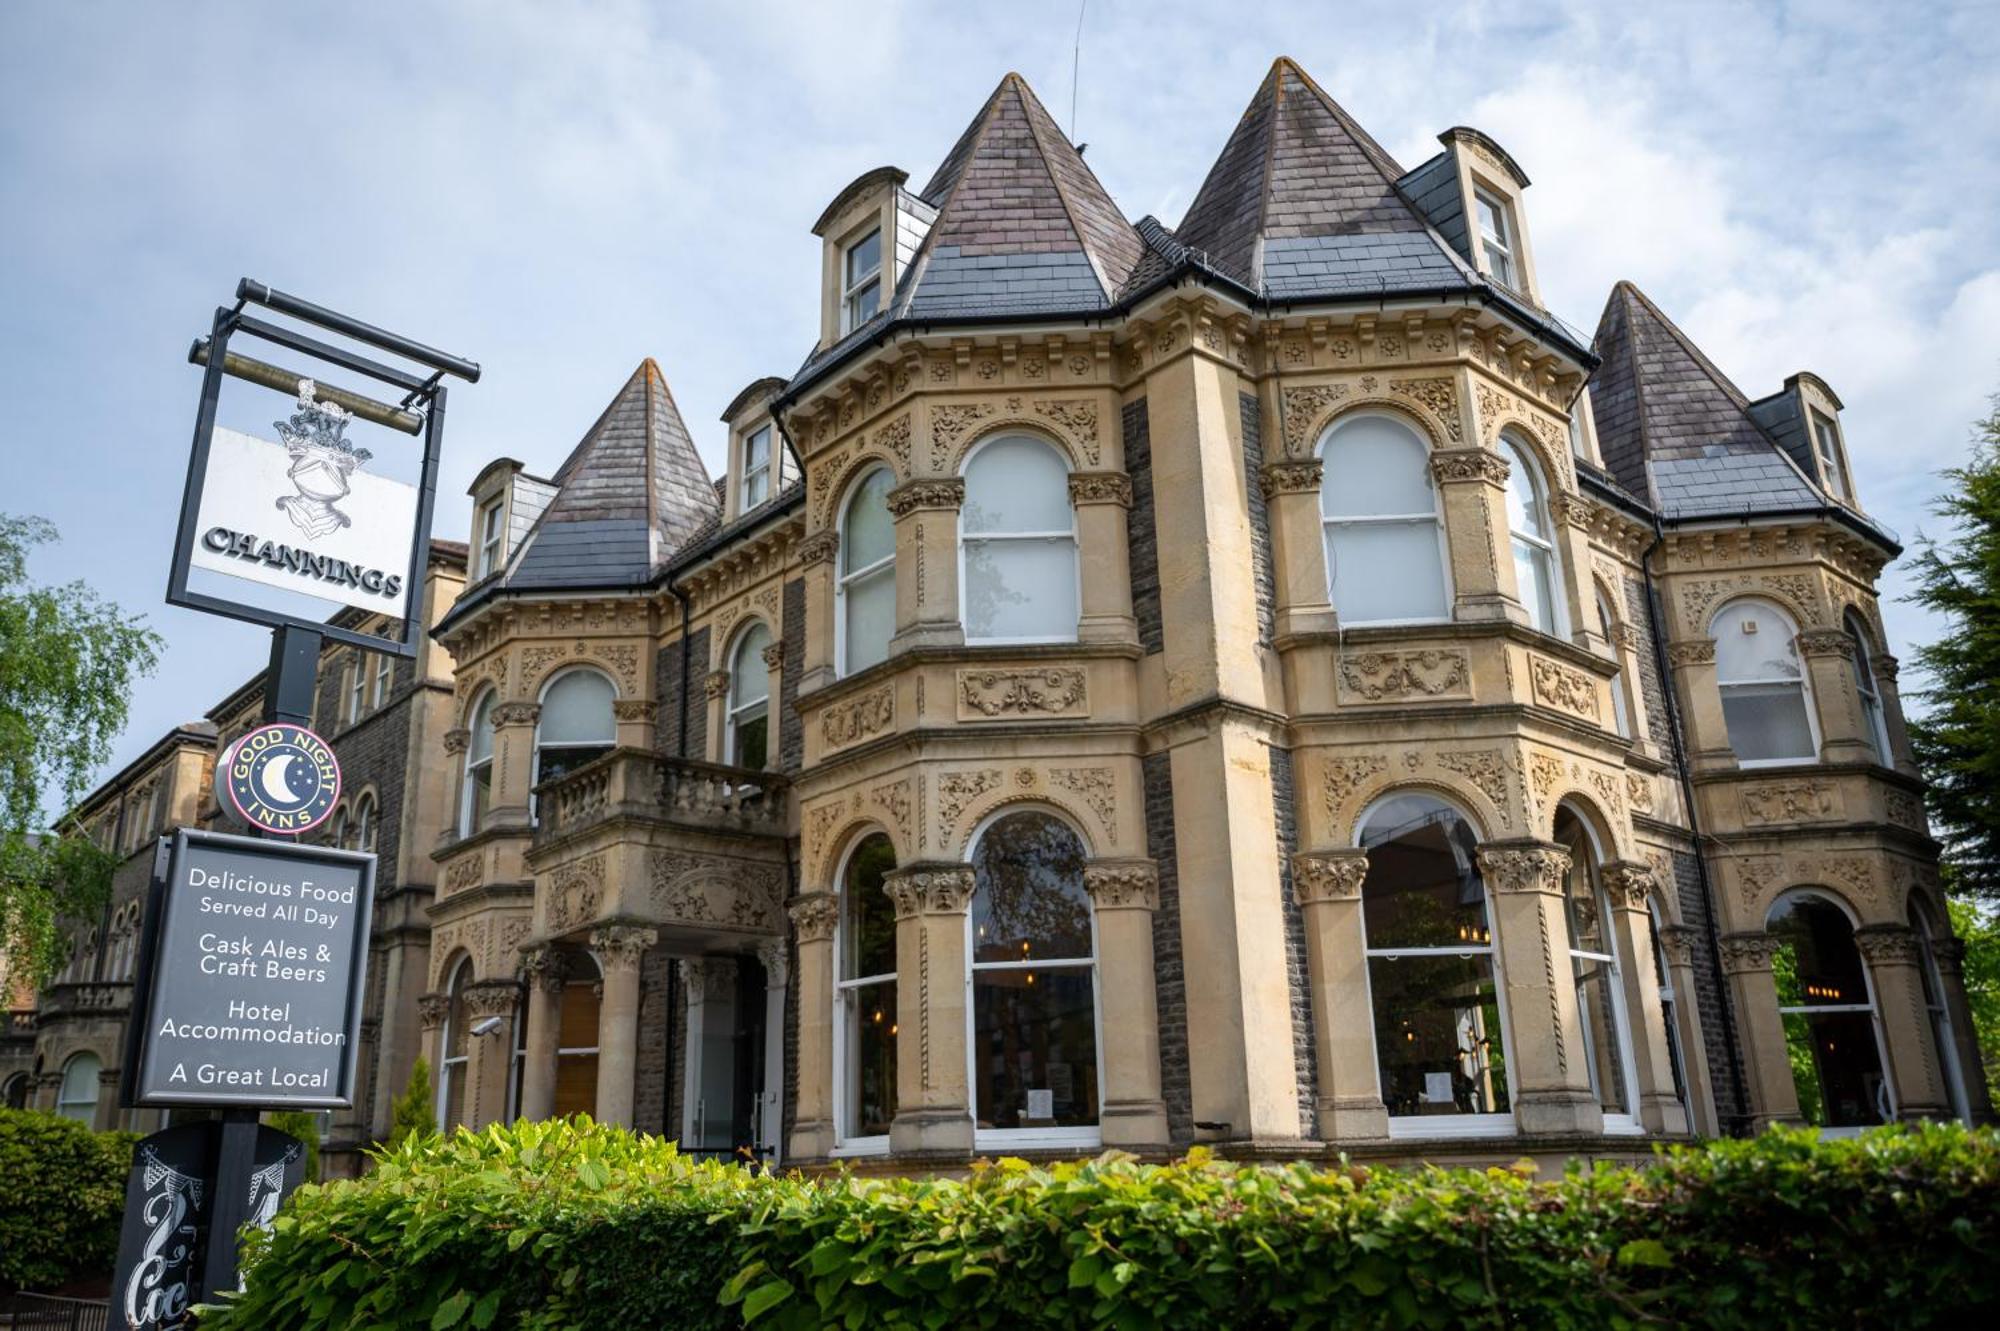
253 962
280 778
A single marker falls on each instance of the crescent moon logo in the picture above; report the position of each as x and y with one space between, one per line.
281 778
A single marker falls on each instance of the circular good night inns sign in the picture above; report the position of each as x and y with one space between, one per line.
281 778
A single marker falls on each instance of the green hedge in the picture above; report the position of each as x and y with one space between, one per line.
576 1226
62 1195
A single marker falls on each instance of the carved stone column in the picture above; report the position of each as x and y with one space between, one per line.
816 555
715 695
513 763
1473 482
1894 953
1126 893
1693 663
813 916
709 1069
1677 946
1767 1066
619 949
774 678
926 514
489 1058
1949 954
774 955
1570 516
1298 546
637 722
933 1101
544 971
1328 885
1629 884
1829 661
1102 500
1546 1070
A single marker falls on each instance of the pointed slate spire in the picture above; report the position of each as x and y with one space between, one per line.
1673 428
630 493
1023 225
1303 202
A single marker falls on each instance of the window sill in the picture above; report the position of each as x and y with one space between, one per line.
856 1147
1033 1139
1421 1126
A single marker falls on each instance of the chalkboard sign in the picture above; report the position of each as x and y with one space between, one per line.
251 977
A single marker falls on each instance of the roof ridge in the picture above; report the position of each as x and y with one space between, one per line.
1688 345
1029 105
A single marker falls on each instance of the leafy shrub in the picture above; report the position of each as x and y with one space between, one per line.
572 1225
412 1114
62 1196
305 1127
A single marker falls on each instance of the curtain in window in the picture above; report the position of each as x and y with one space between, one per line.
1018 534
1763 687
867 586
1384 548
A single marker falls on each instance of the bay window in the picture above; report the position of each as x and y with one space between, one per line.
1828 1010
1017 544
1762 684
866 584
575 725
865 998
1379 512
1532 538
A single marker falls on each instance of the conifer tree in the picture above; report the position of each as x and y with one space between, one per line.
414 1115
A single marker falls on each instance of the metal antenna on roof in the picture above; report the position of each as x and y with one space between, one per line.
1075 60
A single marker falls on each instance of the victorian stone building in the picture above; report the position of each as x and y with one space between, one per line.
1266 683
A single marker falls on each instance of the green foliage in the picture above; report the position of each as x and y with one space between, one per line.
1957 736
298 1123
67 662
62 1196
569 1226
413 1114
1978 925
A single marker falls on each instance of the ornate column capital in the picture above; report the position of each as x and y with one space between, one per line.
715 684
819 548
1329 875
492 998
708 978
1453 465
1292 476
1746 952
1625 637
775 956
774 655
1699 652
1123 884
1100 487
620 946
545 968
1524 866
432 1010
635 709
1630 883
457 740
1571 510
1886 667
1825 642
943 492
1889 944
1677 943
1949 954
930 889
516 714
813 916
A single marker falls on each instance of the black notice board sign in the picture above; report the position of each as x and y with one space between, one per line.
169 1198
250 984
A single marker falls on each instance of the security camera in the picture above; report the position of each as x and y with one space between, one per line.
486 1026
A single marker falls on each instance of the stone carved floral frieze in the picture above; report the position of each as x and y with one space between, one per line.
1046 691
856 719
1122 884
1344 776
1328 875
1397 676
1524 868
1562 687
1485 769
1750 951
1097 787
957 791
948 493
1304 408
1440 397
1100 487
576 893
1298 476
1802 801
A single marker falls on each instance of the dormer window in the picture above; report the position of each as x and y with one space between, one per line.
1826 442
1496 238
756 467
861 288
489 539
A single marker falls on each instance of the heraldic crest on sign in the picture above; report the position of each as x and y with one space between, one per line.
322 460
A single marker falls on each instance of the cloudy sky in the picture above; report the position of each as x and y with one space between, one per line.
558 191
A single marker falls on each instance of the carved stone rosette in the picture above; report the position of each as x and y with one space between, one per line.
1629 883
715 684
433 1009
492 998
1100 487
1123 884
1524 866
620 946
819 548
1889 945
930 889
1452 465
1329 875
516 714
948 493
813 916
1298 476
457 740
1746 952
544 968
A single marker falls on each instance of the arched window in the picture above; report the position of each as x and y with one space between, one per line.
1439 1038
866 588
77 1096
575 725
478 781
1828 1009
364 824
1669 1007
1034 1045
385 678
337 838
1940 1014
1017 544
1378 508
1868 691
1533 538
1600 990
456 1043
865 997
576 1037
747 731
1621 706
15 1094
1763 688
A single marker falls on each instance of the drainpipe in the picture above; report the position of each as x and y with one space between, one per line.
1667 691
